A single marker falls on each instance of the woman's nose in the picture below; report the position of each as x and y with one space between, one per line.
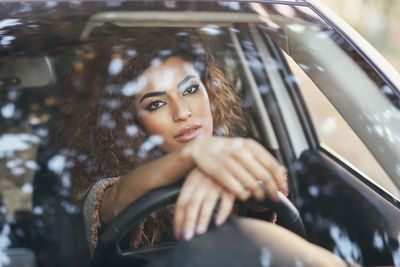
181 111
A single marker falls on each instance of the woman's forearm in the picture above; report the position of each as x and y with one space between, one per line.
161 172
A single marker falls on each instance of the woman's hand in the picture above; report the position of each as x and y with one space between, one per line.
196 203
239 164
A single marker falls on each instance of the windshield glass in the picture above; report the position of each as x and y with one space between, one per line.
76 78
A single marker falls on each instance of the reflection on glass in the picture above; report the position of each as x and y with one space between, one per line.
87 126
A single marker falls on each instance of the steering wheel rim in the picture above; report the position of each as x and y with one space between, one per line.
289 217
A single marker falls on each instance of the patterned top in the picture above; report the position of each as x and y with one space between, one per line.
91 208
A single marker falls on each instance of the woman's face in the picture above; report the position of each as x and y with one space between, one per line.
174 104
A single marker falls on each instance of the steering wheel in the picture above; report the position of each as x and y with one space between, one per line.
108 252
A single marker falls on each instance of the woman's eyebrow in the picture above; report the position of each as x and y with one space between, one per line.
152 94
157 93
187 78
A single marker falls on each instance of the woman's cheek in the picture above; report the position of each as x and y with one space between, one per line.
155 123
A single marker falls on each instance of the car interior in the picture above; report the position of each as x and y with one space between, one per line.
332 205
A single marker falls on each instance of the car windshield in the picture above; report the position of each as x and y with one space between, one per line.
67 94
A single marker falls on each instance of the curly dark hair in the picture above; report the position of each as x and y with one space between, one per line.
97 112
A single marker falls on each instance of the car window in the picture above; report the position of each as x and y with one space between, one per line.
336 135
66 91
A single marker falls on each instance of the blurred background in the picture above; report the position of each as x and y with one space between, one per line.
378 21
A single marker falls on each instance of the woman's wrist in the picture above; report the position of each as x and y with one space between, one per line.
188 151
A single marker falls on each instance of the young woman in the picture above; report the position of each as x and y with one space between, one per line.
148 117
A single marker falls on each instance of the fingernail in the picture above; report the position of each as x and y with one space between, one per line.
177 233
200 229
261 195
188 234
219 220
285 189
276 198
246 195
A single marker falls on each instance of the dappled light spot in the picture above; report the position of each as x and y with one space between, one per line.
211 30
328 125
378 241
131 53
150 144
128 152
292 79
57 164
66 180
156 62
396 252
314 191
165 52
42 132
30 164
220 131
10 143
298 28
37 210
298 263
106 121
27 188
131 88
115 67
5 242
33 119
8 111
4 23
344 247
304 67
14 163
265 257
6 40
13 95
181 34
17 171
69 207
51 4
82 157
285 10
132 130
112 103
231 5
263 89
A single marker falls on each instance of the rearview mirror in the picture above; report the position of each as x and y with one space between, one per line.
26 72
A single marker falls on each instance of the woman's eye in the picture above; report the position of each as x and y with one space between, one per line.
155 105
191 90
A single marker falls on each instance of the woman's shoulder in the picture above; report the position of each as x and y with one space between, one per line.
91 205
97 189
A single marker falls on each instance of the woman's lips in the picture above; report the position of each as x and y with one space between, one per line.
188 133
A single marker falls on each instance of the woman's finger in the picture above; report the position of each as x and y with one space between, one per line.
187 190
207 209
225 208
259 172
192 210
268 161
247 179
231 184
